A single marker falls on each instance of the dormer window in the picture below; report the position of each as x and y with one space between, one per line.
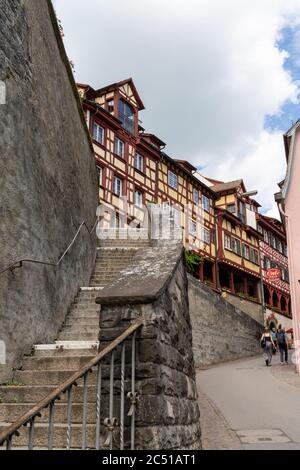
110 106
126 116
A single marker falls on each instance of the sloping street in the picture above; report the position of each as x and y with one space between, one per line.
247 405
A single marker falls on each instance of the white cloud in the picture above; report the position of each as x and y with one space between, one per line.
208 71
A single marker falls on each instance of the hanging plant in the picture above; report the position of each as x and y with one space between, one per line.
193 262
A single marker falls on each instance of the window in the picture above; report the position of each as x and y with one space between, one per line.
267 263
138 198
236 246
273 241
176 214
100 175
246 252
139 162
285 250
254 256
227 242
205 235
119 147
285 275
231 208
195 196
205 203
266 237
110 106
118 186
172 180
126 116
192 227
279 246
242 211
259 228
98 134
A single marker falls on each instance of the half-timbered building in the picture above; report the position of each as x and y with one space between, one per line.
273 249
218 220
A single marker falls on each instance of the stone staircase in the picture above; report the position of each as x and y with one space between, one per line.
51 364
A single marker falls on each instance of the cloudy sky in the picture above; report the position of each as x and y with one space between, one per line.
219 78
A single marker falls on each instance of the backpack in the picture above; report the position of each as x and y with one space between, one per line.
281 337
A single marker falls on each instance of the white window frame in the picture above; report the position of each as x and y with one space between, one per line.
139 162
195 196
192 227
97 129
138 198
172 179
205 235
205 203
118 186
246 249
100 175
253 255
227 242
119 147
234 246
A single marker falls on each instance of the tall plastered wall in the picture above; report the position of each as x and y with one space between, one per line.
48 182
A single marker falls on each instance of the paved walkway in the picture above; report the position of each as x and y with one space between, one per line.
246 405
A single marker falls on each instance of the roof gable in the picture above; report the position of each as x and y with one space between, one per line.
127 89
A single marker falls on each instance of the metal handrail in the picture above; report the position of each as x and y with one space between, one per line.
49 401
19 264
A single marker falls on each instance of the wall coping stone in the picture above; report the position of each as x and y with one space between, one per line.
146 278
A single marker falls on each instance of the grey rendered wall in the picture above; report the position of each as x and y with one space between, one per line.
154 288
48 182
253 309
221 332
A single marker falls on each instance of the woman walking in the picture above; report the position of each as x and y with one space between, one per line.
267 343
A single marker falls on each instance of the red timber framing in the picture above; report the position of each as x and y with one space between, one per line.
219 269
274 255
237 271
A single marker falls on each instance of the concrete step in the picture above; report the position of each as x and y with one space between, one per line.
83 316
10 412
75 328
86 304
35 393
66 352
89 307
55 362
63 335
100 278
46 377
59 436
84 321
101 270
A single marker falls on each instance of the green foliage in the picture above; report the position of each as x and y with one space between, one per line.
12 383
193 262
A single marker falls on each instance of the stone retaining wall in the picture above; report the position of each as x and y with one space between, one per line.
154 288
48 180
221 332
